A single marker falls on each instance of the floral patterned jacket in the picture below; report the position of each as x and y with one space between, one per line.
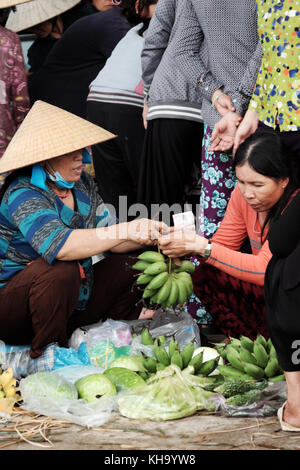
14 99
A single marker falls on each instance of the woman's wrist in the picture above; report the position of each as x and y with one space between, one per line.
201 245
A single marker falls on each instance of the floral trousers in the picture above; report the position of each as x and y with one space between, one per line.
217 183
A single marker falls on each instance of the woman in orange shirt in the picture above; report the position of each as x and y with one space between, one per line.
228 281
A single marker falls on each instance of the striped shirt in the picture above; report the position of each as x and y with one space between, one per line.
35 223
119 79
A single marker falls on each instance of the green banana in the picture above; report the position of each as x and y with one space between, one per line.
208 367
146 338
247 343
143 279
235 360
149 363
186 266
232 372
247 356
272 367
160 366
177 359
235 342
162 340
173 296
164 291
260 354
187 354
172 346
182 292
277 378
151 256
157 281
254 371
141 265
161 355
187 280
262 340
196 361
156 268
148 293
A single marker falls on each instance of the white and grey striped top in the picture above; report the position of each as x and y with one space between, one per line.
119 79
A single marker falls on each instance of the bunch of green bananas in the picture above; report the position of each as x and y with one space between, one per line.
250 360
173 355
165 283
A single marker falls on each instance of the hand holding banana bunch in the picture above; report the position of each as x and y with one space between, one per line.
165 283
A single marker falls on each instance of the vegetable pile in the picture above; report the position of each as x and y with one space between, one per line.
250 360
202 361
164 283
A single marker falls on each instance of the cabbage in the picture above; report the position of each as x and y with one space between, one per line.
93 387
123 379
134 363
167 395
48 384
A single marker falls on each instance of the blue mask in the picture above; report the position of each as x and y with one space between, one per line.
39 175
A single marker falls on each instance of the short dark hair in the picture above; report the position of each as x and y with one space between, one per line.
266 153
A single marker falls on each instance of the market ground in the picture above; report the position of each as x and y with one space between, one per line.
28 431
202 431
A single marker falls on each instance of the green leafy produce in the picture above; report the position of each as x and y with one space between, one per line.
230 388
48 384
93 387
123 379
169 394
246 398
134 363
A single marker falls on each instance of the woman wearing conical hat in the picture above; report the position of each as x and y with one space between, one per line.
52 223
14 99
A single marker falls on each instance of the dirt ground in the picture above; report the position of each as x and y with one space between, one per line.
202 431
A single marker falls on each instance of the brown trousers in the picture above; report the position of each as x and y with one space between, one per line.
38 304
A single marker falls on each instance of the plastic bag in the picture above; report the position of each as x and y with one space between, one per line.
168 395
270 399
167 323
74 410
116 331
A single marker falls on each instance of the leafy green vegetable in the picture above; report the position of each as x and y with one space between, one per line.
169 394
94 387
134 363
48 384
123 379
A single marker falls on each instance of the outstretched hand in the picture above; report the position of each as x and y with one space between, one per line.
222 137
247 127
146 231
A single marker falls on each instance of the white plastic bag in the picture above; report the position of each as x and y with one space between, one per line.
74 410
116 331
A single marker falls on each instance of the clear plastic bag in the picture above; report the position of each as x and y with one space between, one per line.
74 410
168 395
167 323
270 399
116 331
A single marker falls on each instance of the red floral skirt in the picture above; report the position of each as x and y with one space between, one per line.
236 307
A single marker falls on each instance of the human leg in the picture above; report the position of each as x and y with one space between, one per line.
217 183
116 161
36 304
236 307
114 295
170 148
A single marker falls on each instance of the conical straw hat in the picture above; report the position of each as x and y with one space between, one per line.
37 11
46 132
11 3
